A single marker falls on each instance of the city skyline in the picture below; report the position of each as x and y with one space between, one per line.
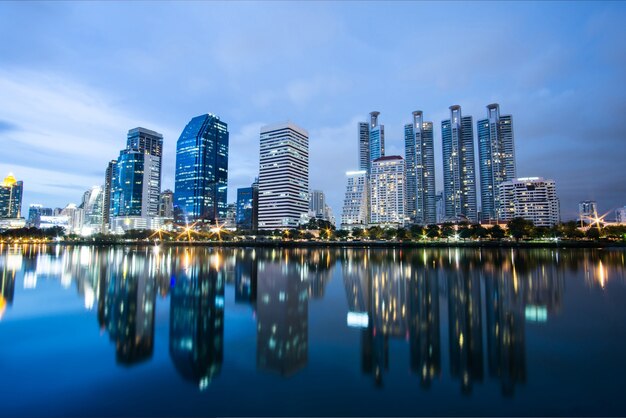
62 121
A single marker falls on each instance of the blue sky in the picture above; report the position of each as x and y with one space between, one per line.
75 77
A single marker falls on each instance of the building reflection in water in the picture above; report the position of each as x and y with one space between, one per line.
127 305
397 294
485 295
424 341
197 317
282 312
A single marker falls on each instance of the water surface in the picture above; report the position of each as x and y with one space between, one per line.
216 331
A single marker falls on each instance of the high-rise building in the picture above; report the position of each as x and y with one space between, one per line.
387 191
376 138
92 207
371 141
364 146
459 178
317 203
496 154
202 170
283 176
587 209
135 182
245 208
355 205
134 191
420 171
531 198
11 197
109 175
34 214
166 204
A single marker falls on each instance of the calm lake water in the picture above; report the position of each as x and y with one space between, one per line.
244 331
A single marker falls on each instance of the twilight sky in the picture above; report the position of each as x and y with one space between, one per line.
75 77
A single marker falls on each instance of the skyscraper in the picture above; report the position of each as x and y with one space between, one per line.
587 209
355 204
420 170
109 175
364 146
387 191
245 208
317 203
92 210
496 155
376 137
166 204
11 197
202 170
134 192
283 176
459 178
371 141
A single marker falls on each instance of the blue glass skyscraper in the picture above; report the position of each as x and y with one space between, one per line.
459 178
496 155
201 170
247 206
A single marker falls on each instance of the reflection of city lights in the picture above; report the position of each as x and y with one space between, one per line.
90 297
30 280
602 274
357 319
534 313
3 306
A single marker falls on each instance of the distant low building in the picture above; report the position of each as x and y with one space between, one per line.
620 215
531 198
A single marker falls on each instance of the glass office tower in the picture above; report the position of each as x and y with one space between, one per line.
11 197
459 177
496 155
201 170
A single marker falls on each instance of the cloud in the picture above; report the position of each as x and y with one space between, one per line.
60 130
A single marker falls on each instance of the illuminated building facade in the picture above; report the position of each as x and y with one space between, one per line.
387 191
166 204
202 170
587 210
419 152
355 212
459 178
283 176
496 155
11 197
246 208
531 198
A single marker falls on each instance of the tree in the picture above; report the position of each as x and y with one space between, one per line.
447 230
417 231
326 233
464 232
402 234
357 233
496 232
478 231
520 228
342 233
390 233
570 230
432 231
375 232
593 233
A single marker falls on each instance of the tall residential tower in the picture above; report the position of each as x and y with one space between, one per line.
459 178
496 154
420 171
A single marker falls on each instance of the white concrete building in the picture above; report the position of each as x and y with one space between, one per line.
355 204
283 176
387 191
531 198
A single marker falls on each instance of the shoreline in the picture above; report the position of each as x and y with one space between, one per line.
349 244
